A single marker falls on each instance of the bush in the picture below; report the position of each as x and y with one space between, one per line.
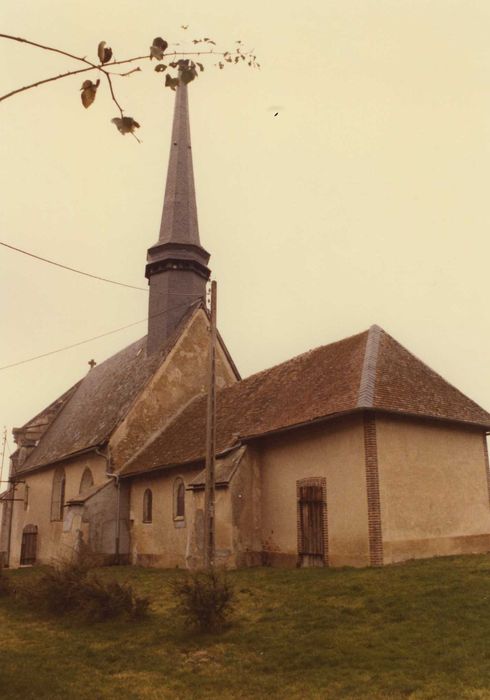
4 582
104 600
205 598
70 588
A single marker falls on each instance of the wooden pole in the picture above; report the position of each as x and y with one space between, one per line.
209 494
3 452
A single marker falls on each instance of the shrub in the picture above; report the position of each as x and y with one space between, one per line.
205 598
4 582
71 588
104 600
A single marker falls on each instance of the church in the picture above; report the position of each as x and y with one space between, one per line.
355 453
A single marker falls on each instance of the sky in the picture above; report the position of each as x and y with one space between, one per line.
345 183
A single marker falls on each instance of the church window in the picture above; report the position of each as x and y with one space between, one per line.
179 499
147 506
58 494
26 497
87 481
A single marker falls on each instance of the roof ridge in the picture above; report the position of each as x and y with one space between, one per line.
437 374
300 355
369 368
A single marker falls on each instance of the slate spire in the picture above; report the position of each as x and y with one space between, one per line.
177 264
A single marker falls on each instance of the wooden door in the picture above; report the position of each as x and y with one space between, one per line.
311 522
29 545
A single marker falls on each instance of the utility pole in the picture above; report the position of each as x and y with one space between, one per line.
209 494
3 452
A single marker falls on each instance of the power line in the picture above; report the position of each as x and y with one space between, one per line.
96 337
72 269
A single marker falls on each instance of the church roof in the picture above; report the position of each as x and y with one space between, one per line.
370 370
100 401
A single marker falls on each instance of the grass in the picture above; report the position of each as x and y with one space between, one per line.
418 630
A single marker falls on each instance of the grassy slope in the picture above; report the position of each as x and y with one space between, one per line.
420 630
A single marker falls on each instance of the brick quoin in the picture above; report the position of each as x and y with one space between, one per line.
372 484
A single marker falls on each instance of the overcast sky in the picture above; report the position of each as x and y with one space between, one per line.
365 200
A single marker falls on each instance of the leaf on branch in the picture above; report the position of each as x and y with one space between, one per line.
174 64
201 67
187 75
126 125
160 68
184 26
170 82
196 41
221 65
158 48
89 90
104 52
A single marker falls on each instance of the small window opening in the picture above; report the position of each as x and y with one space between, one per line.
58 494
147 506
179 499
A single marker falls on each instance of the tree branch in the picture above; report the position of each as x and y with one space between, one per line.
41 82
102 67
46 48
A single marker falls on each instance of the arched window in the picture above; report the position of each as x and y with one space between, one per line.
179 499
147 506
87 481
29 545
58 494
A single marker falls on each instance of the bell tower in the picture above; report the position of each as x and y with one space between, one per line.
176 266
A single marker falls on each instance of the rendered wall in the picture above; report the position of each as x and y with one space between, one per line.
163 542
246 511
55 539
433 489
100 523
333 450
166 542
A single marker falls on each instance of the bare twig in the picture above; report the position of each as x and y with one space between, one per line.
46 48
112 93
41 82
123 75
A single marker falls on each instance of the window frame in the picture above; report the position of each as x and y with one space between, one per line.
147 516
58 495
86 471
179 486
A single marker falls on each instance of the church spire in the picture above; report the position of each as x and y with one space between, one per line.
179 217
177 264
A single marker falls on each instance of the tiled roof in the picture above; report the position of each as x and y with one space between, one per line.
368 370
97 404
225 468
87 495
100 401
